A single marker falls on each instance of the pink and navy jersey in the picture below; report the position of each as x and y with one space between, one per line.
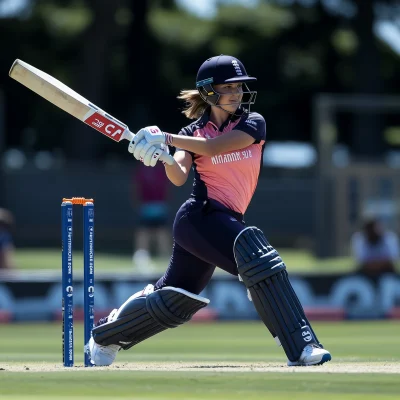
230 178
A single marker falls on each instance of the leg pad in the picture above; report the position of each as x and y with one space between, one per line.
145 316
264 274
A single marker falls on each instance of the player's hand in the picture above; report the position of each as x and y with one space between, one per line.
149 154
152 134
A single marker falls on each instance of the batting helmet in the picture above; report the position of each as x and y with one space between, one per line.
223 69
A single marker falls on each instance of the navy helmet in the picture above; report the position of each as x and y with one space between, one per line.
223 69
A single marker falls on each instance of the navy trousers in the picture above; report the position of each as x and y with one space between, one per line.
204 233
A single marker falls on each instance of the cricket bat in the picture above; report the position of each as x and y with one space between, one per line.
73 103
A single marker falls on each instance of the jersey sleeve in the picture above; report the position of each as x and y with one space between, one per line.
253 125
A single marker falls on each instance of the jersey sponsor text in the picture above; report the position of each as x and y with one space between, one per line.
231 157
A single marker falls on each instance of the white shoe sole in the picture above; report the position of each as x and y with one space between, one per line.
325 358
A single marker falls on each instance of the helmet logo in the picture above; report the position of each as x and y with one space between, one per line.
237 67
204 82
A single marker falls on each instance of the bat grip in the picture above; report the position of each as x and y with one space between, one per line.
166 158
128 135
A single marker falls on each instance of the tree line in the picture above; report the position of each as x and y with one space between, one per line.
132 58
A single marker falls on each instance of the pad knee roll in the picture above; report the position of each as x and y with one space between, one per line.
264 274
145 316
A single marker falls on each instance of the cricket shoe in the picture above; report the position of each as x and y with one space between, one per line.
311 355
102 355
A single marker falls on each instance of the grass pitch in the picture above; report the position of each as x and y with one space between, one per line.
204 361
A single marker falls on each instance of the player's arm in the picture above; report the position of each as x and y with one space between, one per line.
149 136
230 141
178 172
246 132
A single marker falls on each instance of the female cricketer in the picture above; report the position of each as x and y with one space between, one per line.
224 146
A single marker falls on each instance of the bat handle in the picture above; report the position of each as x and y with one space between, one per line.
167 158
128 135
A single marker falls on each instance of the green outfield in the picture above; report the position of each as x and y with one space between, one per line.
204 361
50 259
297 260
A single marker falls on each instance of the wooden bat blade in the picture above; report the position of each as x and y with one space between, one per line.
50 88
68 100
73 103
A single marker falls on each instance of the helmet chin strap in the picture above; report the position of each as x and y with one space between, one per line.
229 112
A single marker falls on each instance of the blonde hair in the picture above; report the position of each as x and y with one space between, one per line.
194 104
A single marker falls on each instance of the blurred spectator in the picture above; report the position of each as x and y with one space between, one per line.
375 249
151 189
6 240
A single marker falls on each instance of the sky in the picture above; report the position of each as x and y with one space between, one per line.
208 8
9 8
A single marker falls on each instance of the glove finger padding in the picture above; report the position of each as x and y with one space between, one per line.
146 149
151 157
136 148
141 149
156 156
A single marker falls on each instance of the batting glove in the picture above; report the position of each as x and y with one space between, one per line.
149 154
152 134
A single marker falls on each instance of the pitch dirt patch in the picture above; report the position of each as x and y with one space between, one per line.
338 367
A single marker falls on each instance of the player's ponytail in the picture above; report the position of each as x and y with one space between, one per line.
194 104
